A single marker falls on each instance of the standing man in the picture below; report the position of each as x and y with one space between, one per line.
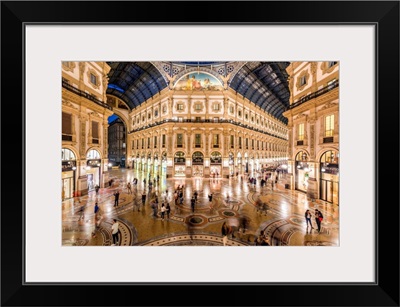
114 231
116 199
193 203
143 198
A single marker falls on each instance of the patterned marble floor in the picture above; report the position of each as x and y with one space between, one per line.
283 220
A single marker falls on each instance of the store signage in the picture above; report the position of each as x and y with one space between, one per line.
94 163
68 165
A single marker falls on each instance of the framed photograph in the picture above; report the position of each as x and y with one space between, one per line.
37 37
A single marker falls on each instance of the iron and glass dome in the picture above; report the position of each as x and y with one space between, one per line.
263 83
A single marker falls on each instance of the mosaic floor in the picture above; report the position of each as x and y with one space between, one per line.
281 218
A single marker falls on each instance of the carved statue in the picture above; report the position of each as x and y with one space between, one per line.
171 81
225 79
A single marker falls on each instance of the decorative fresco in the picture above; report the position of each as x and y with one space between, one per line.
198 81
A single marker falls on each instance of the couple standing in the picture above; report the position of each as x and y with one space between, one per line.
318 218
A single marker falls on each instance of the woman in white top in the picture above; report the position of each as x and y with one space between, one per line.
163 209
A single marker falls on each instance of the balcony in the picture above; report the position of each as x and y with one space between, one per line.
77 91
202 121
320 92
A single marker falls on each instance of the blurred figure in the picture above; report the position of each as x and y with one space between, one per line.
190 228
224 233
243 223
262 239
233 224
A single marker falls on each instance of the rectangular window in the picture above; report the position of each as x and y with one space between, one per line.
66 123
240 142
179 106
247 143
163 140
179 140
198 119
148 142
93 79
66 127
215 140
300 135
232 141
240 113
258 145
95 132
216 107
329 125
197 140
180 119
164 109
216 119
155 142
231 109
137 144
142 143
252 144
197 107
156 113
303 80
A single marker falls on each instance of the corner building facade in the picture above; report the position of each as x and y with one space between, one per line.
313 123
84 127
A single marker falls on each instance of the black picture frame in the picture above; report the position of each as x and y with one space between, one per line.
383 14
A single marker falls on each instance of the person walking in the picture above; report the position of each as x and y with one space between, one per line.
307 215
168 210
116 198
115 231
82 213
129 188
155 209
96 209
193 203
162 210
97 188
143 198
224 232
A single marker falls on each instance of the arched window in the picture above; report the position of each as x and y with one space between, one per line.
93 154
67 155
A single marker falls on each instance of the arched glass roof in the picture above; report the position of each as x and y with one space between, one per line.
263 83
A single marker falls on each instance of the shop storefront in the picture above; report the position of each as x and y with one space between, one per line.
68 168
231 165
179 164
215 164
302 172
197 164
329 177
93 169
164 164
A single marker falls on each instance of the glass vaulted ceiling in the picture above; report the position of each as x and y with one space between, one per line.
263 83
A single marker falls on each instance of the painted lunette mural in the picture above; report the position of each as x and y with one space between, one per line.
198 81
